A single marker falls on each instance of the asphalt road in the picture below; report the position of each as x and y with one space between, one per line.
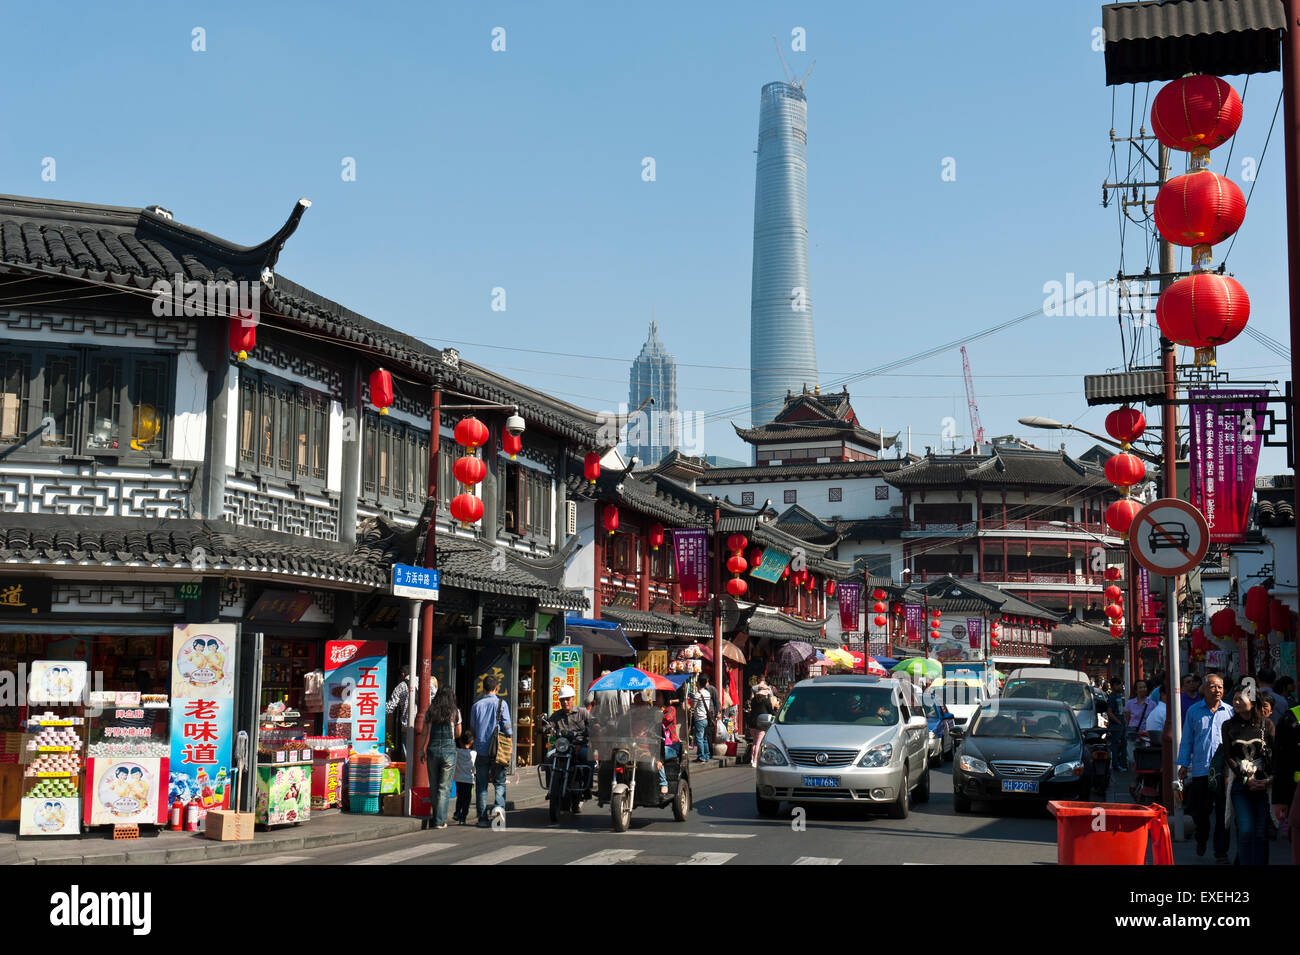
723 829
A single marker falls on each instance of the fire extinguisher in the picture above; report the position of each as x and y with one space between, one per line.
176 817
192 810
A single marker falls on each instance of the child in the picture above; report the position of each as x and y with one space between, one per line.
464 775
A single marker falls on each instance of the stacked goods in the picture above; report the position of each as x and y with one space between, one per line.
129 749
64 788
50 718
53 737
364 779
58 763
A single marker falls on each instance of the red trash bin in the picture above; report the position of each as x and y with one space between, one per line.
1104 833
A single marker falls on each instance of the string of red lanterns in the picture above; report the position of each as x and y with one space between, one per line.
737 565
471 434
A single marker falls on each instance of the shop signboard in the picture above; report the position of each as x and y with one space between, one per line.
772 566
850 598
691 559
565 670
124 791
356 681
492 659
24 596
1286 660
189 591
975 630
913 614
279 606
1225 445
203 706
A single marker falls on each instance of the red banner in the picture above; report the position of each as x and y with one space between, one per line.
691 557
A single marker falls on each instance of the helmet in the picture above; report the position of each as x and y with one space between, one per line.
567 692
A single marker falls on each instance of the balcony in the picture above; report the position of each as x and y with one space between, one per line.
1043 528
1029 578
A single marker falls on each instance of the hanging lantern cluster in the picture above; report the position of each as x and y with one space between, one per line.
1200 645
737 565
995 631
469 470
1203 310
1124 470
935 624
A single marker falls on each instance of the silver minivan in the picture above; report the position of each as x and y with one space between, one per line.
845 739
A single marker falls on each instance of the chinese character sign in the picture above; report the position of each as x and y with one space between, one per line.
849 594
914 615
1146 612
772 566
356 692
975 630
691 558
1225 449
566 670
203 706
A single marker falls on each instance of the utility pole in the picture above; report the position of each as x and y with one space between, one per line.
1291 128
416 771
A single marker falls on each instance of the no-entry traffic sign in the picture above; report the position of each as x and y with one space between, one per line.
1169 537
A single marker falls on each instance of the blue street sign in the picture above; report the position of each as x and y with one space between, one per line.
418 583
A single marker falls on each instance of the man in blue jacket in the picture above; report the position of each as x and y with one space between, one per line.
1202 734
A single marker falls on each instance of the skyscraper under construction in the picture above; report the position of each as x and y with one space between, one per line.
782 351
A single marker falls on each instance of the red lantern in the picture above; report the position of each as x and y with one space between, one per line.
591 467
1113 594
381 389
898 608
471 433
1126 424
466 508
877 594
878 607
736 586
737 542
1195 112
1120 514
610 518
511 444
1279 615
936 613
243 335
1125 470
1223 623
1257 606
785 574
830 588
1203 310
1117 631
755 556
993 643
881 620
736 564
812 585
656 536
1114 611
469 470
1200 208
1113 572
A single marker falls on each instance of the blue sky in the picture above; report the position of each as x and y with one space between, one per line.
522 169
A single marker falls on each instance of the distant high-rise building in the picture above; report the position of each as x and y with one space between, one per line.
654 432
782 352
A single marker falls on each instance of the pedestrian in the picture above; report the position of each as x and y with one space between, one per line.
1191 692
399 702
1265 681
1202 736
489 721
1247 754
1115 723
701 717
1286 776
441 727
464 775
607 706
1155 722
1135 714
764 705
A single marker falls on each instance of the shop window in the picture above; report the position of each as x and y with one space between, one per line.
525 500
283 428
621 553
878 565
102 402
662 566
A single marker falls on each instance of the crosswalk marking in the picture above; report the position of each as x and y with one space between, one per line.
815 860
670 833
709 858
499 856
276 860
607 857
388 858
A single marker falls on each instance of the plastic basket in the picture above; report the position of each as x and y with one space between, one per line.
1091 833
364 804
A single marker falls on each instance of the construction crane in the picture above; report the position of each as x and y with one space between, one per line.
791 78
977 429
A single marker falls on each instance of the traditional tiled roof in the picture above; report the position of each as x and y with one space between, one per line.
871 528
806 525
1166 39
470 565
1005 467
812 471
645 621
778 626
1075 633
959 593
776 431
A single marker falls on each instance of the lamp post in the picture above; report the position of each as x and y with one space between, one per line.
1051 424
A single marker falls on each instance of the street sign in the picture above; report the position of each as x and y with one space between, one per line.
1169 537
418 583
189 591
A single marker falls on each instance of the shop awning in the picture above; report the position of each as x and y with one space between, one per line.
646 621
598 636
677 679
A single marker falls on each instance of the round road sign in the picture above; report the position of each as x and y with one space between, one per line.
1169 537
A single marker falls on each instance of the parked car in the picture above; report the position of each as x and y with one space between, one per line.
1053 683
844 739
941 723
1019 749
961 695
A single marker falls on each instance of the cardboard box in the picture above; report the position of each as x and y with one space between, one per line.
391 805
227 826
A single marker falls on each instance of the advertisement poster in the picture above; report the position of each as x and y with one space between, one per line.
691 559
975 630
356 681
57 681
1146 606
850 598
59 816
1225 443
566 670
283 794
772 566
203 707
125 791
913 614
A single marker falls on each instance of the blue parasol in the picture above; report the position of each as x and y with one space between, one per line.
630 678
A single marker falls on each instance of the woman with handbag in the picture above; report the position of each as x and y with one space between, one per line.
441 727
762 704
1247 751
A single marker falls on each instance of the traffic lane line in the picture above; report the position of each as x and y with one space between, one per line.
499 856
607 857
401 855
816 860
630 832
709 858
278 860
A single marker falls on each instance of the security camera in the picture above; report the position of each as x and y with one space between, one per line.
515 424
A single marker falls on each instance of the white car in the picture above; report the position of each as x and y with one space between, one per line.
961 695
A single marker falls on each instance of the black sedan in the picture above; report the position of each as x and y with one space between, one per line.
1019 749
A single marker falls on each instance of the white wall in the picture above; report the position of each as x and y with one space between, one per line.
190 403
581 571
858 495
232 417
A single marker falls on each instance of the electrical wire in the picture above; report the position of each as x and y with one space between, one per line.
1258 167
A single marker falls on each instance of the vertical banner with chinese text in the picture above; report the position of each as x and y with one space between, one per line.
914 615
203 705
1225 444
849 594
356 692
975 630
691 557
566 670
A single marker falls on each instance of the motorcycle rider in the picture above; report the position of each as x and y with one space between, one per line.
572 718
